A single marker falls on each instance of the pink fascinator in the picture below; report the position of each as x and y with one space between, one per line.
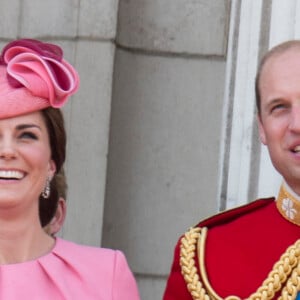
34 76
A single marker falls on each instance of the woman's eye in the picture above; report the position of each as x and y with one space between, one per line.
28 135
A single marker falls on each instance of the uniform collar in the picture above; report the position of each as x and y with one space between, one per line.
288 204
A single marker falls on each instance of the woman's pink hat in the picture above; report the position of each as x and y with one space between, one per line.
34 76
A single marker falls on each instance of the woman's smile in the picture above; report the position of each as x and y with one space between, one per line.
11 174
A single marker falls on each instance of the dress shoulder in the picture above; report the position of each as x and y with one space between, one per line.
100 268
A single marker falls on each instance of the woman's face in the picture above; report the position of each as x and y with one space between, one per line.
25 160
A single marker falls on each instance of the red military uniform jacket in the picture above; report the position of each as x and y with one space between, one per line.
241 247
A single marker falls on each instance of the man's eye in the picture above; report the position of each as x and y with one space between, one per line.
28 135
278 107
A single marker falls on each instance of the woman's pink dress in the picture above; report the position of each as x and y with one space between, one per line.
70 272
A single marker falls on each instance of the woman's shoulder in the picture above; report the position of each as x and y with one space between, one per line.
95 265
86 269
71 250
70 245
85 258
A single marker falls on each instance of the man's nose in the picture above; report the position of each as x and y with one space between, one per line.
294 124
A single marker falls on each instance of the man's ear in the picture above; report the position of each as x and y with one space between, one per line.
261 130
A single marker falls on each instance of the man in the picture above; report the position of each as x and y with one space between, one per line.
253 251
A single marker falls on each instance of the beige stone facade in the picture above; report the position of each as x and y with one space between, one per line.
162 132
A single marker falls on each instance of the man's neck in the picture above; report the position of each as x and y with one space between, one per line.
291 191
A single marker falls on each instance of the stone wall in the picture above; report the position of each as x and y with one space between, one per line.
165 129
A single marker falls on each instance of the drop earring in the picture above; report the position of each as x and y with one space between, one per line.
46 191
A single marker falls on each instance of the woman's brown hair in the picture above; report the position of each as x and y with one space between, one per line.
57 138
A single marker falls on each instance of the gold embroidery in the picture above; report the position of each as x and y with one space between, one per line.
288 205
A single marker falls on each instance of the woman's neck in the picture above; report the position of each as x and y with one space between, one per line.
22 239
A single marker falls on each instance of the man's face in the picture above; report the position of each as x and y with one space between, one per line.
279 120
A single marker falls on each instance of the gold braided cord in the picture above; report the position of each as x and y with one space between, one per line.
285 271
187 263
279 274
292 287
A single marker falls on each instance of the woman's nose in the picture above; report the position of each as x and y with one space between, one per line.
7 149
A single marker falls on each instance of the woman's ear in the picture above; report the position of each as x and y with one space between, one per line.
52 168
58 220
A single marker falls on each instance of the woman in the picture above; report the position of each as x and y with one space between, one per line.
35 81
